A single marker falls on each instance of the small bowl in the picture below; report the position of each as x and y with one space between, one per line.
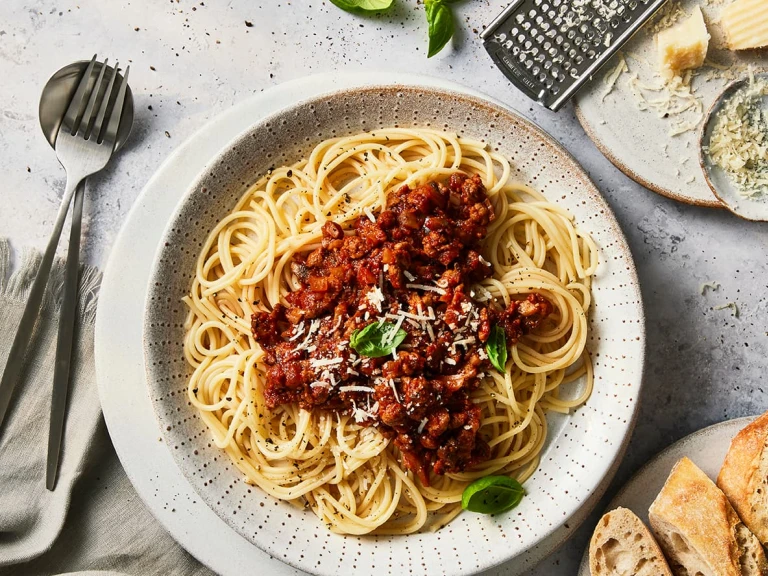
717 179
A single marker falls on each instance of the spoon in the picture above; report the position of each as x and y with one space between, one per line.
721 184
60 89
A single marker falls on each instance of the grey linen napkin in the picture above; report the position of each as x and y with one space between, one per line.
94 522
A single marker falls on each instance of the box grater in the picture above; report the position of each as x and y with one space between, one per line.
549 48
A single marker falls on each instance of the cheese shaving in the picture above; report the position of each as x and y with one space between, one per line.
612 76
732 305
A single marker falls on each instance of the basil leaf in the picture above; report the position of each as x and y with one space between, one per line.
440 22
377 339
363 5
496 348
492 495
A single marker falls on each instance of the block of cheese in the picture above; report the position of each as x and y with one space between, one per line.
683 46
746 24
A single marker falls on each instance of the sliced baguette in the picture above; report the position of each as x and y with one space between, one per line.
622 546
698 529
744 476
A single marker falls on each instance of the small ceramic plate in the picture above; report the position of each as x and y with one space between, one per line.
581 448
707 449
717 179
637 141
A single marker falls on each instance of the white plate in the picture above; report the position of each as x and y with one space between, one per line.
634 140
127 407
707 449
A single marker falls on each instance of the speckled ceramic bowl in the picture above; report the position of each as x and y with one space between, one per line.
580 449
717 179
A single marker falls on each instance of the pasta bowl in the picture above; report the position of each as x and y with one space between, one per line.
581 448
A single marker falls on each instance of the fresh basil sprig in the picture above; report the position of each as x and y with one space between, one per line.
440 20
492 495
377 339
496 348
363 5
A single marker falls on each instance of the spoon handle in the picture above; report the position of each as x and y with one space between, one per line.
61 370
32 309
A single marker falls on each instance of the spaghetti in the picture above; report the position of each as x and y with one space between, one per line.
349 473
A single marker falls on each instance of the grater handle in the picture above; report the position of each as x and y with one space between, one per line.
517 75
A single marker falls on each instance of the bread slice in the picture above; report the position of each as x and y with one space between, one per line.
698 529
744 476
621 545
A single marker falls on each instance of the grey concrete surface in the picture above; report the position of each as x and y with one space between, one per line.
191 60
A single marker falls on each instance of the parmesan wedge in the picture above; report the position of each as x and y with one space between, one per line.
683 46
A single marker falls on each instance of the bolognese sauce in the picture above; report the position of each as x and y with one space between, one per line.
416 267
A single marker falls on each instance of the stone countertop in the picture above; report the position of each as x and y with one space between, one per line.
191 60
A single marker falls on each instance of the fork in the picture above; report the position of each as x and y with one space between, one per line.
84 145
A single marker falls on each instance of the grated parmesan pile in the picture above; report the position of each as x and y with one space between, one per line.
739 140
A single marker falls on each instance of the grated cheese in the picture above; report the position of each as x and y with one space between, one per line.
427 288
711 285
394 390
612 76
319 363
731 305
739 140
375 297
356 389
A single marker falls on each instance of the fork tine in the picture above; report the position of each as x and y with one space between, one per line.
88 114
117 111
96 130
72 117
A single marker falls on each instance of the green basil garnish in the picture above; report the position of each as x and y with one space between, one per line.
492 495
363 5
377 339
496 348
440 22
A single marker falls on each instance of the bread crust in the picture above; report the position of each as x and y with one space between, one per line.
741 479
699 530
622 545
